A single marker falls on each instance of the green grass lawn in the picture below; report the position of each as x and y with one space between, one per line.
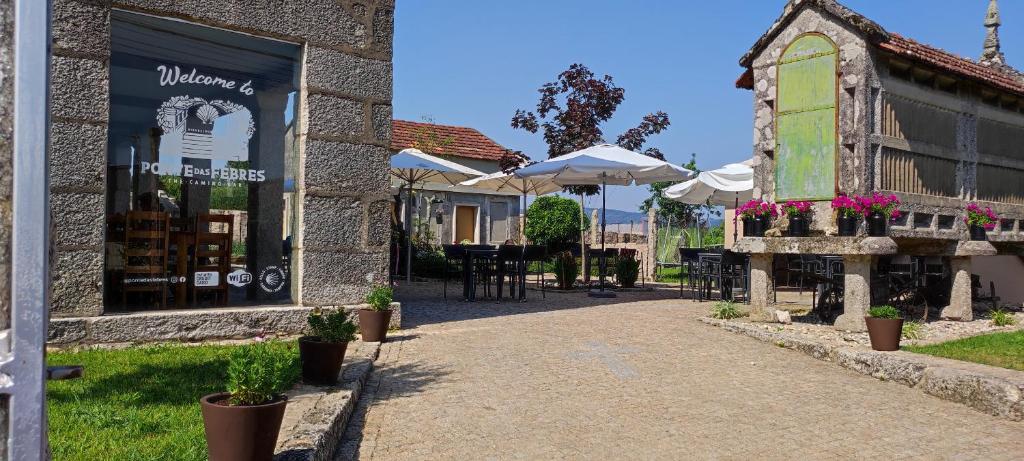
999 349
135 404
669 274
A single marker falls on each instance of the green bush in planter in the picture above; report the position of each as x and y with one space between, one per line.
380 298
334 327
566 270
259 372
627 270
556 222
884 312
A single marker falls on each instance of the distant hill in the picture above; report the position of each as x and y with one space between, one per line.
625 217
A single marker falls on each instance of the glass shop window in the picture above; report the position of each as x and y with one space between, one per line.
201 161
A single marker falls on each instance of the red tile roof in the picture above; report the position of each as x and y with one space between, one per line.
944 60
458 141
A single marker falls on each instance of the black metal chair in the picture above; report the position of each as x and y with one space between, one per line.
689 259
484 268
538 255
509 260
729 274
453 256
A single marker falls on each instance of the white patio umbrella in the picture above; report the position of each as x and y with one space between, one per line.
413 166
604 164
508 182
723 186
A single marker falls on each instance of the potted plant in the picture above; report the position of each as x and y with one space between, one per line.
757 215
565 269
799 214
878 210
885 327
323 350
979 221
243 423
848 213
373 322
627 270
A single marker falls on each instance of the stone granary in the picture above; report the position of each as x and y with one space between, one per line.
842 105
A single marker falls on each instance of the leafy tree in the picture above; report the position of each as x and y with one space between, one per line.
555 221
678 212
570 113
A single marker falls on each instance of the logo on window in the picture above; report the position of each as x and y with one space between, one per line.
239 278
272 279
211 130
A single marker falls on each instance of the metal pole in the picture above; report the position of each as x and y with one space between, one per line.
604 222
22 353
522 231
735 231
408 233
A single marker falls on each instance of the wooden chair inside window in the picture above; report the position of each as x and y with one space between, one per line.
213 253
145 254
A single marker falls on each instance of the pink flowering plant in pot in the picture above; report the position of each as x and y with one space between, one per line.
980 220
878 210
799 214
757 214
848 214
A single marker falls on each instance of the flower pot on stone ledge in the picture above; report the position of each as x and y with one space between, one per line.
877 224
885 328
373 322
847 226
798 226
758 224
978 233
241 432
321 361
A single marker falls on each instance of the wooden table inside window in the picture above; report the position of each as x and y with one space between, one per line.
182 241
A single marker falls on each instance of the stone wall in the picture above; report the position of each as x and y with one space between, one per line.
855 88
345 115
6 183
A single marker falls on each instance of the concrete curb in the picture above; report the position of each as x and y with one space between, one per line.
996 391
316 416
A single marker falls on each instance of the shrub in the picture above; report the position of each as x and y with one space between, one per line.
1002 318
334 327
911 330
380 298
884 312
259 372
428 261
627 270
565 269
554 221
725 310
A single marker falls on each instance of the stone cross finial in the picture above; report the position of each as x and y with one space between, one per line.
991 54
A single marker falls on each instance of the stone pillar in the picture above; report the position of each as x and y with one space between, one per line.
960 306
857 293
761 309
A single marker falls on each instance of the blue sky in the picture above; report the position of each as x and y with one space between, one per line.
473 62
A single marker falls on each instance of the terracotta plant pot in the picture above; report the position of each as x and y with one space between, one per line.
373 325
799 226
877 224
847 226
978 232
241 433
885 334
321 362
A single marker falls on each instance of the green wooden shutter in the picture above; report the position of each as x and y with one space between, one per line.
805 120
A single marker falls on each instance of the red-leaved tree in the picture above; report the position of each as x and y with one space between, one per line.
570 113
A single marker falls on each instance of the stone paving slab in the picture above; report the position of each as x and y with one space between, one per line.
316 416
993 390
636 377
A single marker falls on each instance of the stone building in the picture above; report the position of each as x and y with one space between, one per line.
217 168
448 214
842 105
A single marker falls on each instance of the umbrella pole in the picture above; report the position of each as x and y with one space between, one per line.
408 234
601 293
522 232
735 231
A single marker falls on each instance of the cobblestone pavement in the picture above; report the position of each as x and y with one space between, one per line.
636 377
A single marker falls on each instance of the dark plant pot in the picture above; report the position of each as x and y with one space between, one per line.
321 362
373 325
758 224
799 226
877 224
748 227
847 225
885 334
978 232
241 433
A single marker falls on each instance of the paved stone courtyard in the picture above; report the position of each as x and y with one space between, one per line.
634 377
